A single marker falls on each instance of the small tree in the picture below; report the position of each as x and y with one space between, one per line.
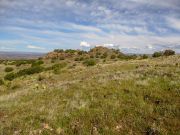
168 52
157 54
59 50
113 56
144 56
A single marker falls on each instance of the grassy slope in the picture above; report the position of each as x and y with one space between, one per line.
123 97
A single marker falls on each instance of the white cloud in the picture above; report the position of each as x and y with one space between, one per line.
35 47
109 45
149 46
85 44
174 23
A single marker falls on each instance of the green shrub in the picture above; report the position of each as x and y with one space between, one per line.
70 51
144 56
8 69
15 86
81 52
10 76
31 70
168 52
91 56
23 62
81 58
41 77
157 54
121 56
76 59
37 63
56 67
61 58
104 55
134 56
113 56
1 82
89 62
59 50
53 61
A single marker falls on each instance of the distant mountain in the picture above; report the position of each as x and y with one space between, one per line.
20 55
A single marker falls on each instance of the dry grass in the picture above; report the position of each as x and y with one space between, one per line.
117 97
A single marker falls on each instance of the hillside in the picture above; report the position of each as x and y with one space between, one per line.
70 96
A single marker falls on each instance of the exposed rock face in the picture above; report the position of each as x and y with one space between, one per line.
52 55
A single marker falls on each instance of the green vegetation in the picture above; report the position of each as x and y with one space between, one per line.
37 63
8 69
157 54
169 52
1 82
144 56
10 76
57 67
128 96
165 53
113 56
89 62
30 71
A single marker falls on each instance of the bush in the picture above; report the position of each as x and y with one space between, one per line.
41 77
61 58
168 52
113 56
1 82
157 54
104 55
70 51
10 76
59 50
23 62
31 70
37 63
76 59
144 56
81 52
91 56
89 62
56 67
8 69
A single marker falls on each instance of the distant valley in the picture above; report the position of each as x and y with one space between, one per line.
20 55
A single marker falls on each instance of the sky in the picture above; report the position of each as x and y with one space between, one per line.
133 26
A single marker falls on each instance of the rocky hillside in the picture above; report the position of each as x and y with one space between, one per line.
97 52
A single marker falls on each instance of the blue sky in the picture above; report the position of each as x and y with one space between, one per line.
133 26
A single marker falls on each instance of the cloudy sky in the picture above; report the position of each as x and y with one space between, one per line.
134 26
